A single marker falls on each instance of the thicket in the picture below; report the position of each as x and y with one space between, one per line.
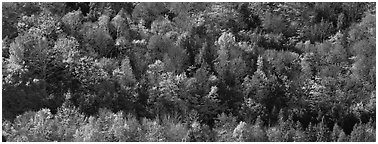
69 125
188 72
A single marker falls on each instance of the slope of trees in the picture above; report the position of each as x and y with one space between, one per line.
188 72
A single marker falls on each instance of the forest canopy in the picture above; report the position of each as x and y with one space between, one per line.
134 71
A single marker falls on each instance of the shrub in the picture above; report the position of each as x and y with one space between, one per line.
250 133
97 129
174 130
31 127
200 133
299 134
363 133
224 127
89 132
284 132
322 132
66 121
310 133
274 134
126 129
239 131
335 135
343 137
153 131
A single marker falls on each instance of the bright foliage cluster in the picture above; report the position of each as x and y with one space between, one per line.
188 71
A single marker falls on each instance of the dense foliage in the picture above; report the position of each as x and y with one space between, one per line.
188 72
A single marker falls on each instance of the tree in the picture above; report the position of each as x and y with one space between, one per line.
285 71
31 65
73 23
13 11
98 41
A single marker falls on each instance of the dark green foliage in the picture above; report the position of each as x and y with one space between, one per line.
245 72
12 11
148 12
336 133
69 125
284 131
36 126
224 127
73 22
99 42
322 132
250 133
363 133
274 23
67 120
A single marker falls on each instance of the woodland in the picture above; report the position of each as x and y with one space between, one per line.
188 72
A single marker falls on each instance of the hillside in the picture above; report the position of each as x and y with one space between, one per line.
188 71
